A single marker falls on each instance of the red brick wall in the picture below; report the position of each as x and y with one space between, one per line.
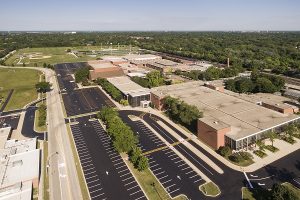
212 137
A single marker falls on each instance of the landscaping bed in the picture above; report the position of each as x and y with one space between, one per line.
271 148
210 189
260 153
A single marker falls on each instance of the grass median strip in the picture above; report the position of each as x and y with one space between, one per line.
150 184
40 117
45 174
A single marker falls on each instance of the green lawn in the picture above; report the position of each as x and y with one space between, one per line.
53 55
210 189
46 176
146 179
23 82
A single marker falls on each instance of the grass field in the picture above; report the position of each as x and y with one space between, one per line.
23 82
52 55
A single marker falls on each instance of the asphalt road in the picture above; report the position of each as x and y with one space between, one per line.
28 124
106 174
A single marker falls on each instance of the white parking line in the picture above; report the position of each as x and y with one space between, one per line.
92 181
166 181
127 178
156 169
193 176
139 197
88 178
185 168
90 173
125 174
122 171
179 161
96 186
197 180
129 183
163 177
135 192
181 165
132 187
160 173
173 191
190 172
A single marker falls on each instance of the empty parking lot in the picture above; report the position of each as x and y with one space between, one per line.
106 174
172 171
85 100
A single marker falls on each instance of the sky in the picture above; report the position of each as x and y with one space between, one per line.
150 15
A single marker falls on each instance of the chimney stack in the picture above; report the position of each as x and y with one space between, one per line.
227 62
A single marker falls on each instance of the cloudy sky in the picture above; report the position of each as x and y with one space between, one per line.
150 15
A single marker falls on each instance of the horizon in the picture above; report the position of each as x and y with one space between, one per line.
154 16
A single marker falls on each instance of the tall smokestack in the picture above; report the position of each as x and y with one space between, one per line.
227 62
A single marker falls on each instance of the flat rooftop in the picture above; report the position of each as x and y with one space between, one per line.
244 117
19 167
128 87
20 191
4 134
100 64
140 57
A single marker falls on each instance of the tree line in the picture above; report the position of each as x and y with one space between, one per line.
182 112
256 83
123 138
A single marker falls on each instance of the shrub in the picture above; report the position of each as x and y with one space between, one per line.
271 148
260 153
124 102
289 139
224 151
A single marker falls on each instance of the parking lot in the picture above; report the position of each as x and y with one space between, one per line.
174 174
11 121
64 73
106 174
85 100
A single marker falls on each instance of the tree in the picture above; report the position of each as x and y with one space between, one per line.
230 85
107 113
225 151
124 102
264 85
281 192
142 163
43 86
244 85
260 144
155 78
81 74
272 136
134 154
211 73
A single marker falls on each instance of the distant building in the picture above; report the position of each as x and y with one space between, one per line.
103 69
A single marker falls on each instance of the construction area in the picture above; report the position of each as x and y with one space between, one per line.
229 119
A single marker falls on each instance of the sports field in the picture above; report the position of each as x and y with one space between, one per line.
23 82
53 55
